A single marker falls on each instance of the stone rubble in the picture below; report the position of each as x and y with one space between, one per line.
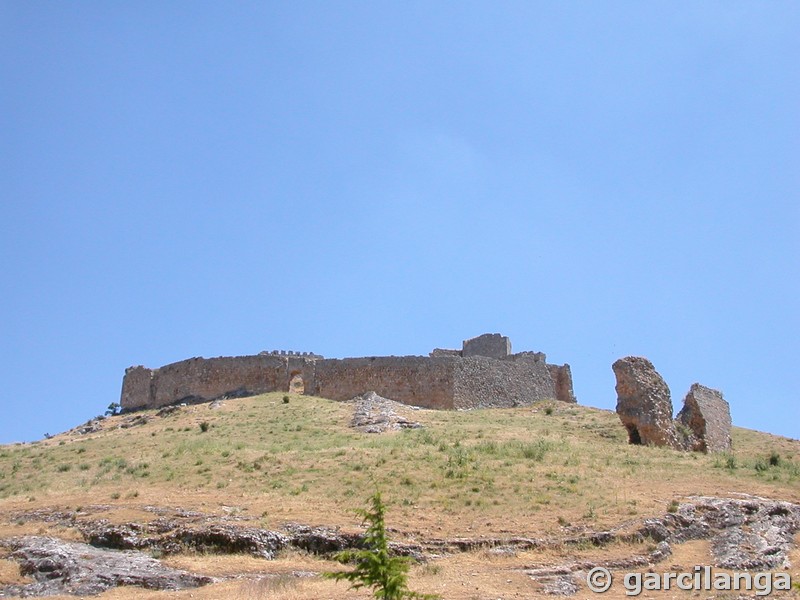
376 414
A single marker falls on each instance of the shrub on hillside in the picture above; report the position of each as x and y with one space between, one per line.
375 568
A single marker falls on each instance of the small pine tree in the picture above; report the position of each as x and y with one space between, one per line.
113 409
375 568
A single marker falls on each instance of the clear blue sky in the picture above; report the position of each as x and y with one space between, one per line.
592 179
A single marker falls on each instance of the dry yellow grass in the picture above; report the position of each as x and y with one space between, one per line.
465 474
541 471
9 573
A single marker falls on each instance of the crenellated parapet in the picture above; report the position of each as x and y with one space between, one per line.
291 353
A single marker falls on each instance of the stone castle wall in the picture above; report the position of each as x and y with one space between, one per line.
204 378
483 382
415 380
207 378
562 380
492 345
137 388
446 380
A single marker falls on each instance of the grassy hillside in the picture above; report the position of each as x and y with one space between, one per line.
534 471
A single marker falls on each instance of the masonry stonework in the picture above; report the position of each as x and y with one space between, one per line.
492 345
644 406
562 379
644 403
200 378
415 380
137 388
484 382
448 379
708 416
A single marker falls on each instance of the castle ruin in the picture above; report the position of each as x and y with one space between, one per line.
484 373
644 406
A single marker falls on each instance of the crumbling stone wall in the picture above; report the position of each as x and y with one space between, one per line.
708 416
644 406
284 353
528 355
300 374
562 380
439 352
198 379
136 388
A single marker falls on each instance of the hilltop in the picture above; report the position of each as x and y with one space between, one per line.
484 496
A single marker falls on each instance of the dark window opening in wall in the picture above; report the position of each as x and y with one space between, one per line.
633 435
296 383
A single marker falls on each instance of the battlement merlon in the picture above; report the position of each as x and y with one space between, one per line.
309 355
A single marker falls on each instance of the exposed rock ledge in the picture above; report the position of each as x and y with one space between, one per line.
745 533
71 568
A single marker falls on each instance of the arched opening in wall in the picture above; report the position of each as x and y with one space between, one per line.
296 383
633 435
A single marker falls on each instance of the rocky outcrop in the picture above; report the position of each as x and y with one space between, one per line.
707 416
376 414
322 540
748 533
744 533
172 538
60 567
644 404
227 540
